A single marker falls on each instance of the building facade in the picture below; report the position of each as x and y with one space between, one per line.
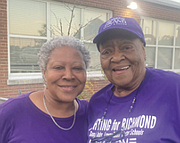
26 24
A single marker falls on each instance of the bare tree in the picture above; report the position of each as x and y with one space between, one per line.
58 28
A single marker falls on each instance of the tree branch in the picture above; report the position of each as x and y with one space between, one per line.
60 28
72 16
82 26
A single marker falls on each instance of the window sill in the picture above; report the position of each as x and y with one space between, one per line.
24 81
18 80
97 76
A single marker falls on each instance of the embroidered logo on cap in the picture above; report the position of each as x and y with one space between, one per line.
115 21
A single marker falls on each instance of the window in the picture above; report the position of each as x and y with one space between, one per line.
26 19
23 54
162 46
31 23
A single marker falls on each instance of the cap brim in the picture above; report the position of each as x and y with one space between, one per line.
107 32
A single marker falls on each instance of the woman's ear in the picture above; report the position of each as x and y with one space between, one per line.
44 74
144 54
44 79
144 51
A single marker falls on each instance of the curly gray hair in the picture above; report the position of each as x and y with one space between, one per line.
57 42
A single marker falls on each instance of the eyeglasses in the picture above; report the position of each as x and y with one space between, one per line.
116 136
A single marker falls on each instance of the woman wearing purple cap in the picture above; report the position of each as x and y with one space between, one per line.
53 115
140 105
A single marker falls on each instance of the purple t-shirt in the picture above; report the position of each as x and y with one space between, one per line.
22 122
155 117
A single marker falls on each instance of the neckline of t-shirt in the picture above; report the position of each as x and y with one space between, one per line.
125 98
46 115
132 94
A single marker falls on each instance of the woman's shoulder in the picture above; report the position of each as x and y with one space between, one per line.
14 100
102 93
83 105
14 104
163 76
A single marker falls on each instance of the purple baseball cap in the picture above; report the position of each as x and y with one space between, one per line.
120 24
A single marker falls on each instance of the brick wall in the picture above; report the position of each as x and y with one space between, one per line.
119 9
159 12
3 47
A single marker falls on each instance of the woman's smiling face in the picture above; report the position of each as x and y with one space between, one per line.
65 74
123 61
